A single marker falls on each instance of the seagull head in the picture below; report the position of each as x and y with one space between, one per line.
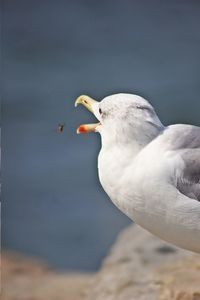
123 118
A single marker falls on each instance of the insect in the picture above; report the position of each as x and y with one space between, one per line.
61 127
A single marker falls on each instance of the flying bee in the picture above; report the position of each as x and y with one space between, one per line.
61 127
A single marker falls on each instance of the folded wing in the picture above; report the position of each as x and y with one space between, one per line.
184 140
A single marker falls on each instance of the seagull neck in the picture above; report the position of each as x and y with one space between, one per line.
124 150
133 137
112 161
116 156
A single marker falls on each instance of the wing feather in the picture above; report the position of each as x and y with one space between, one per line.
185 141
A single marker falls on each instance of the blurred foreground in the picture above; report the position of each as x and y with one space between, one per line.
139 267
26 279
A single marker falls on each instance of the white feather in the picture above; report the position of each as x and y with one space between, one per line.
143 168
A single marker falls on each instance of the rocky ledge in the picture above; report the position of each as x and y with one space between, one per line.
26 279
142 267
138 267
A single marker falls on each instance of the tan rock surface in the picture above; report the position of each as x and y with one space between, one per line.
138 267
25 279
142 267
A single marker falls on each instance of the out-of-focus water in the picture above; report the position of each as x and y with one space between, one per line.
53 205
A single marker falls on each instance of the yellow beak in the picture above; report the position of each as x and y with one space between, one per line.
88 103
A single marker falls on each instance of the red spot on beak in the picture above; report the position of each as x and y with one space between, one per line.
82 129
86 128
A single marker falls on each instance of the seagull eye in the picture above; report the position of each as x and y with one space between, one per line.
100 111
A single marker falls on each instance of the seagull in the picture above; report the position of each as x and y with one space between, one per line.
151 172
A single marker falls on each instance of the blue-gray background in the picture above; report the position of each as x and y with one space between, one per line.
54 51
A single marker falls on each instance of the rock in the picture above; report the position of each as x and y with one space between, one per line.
142 267
139 267
27 279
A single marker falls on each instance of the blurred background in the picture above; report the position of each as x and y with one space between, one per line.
53 205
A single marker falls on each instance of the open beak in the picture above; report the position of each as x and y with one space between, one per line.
89 104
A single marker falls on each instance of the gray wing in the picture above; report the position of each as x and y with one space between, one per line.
185 140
